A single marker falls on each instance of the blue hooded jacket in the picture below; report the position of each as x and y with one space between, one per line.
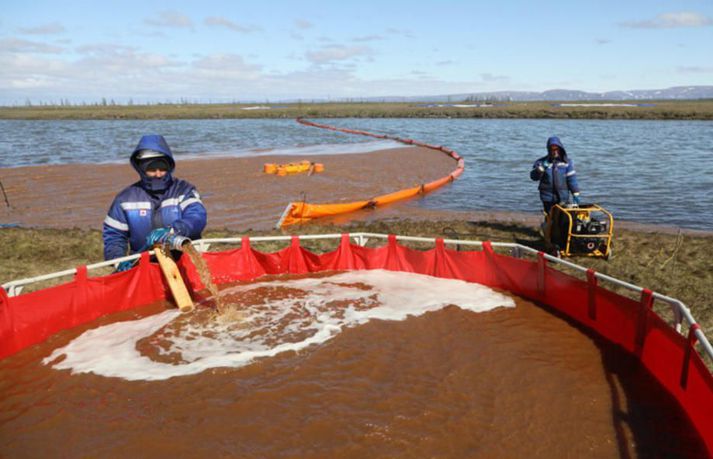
558 178
152 203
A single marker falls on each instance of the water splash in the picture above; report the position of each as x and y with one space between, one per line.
204 274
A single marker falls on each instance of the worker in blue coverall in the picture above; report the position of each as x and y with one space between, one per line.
556 175
155 208
557 178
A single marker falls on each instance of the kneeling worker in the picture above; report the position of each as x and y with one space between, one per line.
154 208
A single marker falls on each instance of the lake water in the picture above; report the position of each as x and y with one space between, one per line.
645 171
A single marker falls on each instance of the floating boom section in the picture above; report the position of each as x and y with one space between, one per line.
303 212
631 324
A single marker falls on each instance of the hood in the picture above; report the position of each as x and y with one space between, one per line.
556 141
155 143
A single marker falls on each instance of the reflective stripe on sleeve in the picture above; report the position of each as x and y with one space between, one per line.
170 202
571 173
108 221
136 205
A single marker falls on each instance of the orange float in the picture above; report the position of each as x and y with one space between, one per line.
292 168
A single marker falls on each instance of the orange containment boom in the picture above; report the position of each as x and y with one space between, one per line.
303 212
293 168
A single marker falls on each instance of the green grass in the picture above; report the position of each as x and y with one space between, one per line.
670 110
676 265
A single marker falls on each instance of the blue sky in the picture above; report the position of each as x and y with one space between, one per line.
271 50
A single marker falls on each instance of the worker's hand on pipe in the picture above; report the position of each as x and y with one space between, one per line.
125 266
157 236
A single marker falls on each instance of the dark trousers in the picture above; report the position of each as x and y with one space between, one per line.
547 206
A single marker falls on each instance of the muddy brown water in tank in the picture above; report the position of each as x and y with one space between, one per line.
510 382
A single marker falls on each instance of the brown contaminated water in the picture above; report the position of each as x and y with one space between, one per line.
511 382
236 191
239 196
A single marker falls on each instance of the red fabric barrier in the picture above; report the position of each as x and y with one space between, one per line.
668 356
33 317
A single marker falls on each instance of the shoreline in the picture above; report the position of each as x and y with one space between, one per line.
488 217
30 181
698 109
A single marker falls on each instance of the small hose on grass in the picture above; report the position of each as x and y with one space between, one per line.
450 233
4 194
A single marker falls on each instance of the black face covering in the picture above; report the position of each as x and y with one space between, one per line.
155 184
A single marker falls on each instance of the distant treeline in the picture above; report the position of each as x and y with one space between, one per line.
108 109
104 102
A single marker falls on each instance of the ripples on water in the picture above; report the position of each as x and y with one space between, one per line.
646 171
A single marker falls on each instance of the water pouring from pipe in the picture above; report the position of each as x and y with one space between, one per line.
184 244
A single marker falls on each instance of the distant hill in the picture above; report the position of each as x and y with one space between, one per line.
677 92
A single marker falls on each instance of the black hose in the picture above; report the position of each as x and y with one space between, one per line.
450 233
7 201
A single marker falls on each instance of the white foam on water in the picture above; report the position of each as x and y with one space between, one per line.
305 314
306 150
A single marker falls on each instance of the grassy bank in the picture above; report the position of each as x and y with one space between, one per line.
672 264
663 110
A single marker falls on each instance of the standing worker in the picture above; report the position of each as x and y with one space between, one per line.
556 175
153 209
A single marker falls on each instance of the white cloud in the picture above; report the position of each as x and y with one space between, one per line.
421 75
104 49
303 24
44 29
170 19
217 21
123 73
18 45
32 65
672 20
695 69
26 74
113 71
490 78
334 53
110 59
222 65
368 38
401 32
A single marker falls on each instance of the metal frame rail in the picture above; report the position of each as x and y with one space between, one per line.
679 309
